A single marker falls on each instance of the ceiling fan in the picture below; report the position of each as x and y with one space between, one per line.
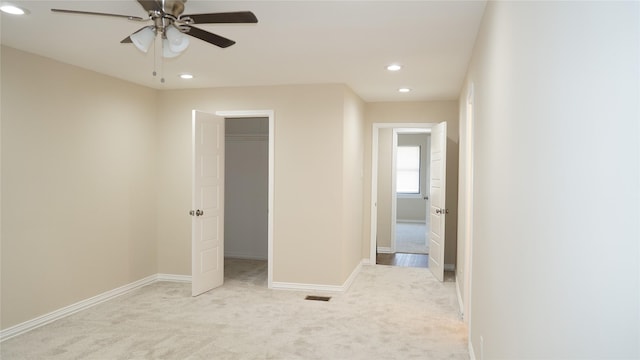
172 25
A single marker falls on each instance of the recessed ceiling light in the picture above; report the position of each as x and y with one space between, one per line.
404 90
13 10
186 76
394 67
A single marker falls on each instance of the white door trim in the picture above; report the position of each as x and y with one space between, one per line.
271 116
394 194
469 196
374 177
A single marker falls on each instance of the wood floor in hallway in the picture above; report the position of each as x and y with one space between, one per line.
402 259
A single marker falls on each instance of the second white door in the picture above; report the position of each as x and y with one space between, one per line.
437 211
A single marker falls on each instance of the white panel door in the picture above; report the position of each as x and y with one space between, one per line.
437 209
207 225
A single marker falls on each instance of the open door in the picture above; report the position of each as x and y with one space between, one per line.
437 209
207 224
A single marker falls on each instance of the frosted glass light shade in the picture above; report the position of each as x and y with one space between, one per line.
178 41
166 50
143 38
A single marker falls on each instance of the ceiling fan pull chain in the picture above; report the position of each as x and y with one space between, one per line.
154 59
162 67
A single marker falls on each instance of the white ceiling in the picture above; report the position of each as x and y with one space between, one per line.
294 42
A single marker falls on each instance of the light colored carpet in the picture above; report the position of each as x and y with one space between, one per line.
411 238
388 313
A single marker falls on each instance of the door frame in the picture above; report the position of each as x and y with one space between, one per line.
374 179
271 186
467 203
394 193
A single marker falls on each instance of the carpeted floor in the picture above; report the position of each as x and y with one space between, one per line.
388 313
411 238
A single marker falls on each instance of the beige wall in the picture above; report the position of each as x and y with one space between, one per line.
78 194
416 112
352 178
557 174
311 131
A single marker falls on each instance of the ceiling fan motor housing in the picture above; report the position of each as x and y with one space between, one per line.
173 7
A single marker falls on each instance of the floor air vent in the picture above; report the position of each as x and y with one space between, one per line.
318 298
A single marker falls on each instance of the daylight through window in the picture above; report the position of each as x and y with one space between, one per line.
408 170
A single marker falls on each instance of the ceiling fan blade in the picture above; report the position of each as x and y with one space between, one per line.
128 40
239 17
151 5
210 37
136 18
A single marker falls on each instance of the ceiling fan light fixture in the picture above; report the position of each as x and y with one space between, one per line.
178 41
166 50
186 76
144 38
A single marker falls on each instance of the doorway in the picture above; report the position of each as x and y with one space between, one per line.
208 134
410 190
246 188
384 209
246 198
250 130
402 211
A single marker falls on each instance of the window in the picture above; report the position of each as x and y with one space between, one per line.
408 170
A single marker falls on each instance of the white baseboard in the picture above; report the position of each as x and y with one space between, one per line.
174 278
411 221
460 302
277 285
384 250
280 285
354 274
449 267
472 355
235 255
45 319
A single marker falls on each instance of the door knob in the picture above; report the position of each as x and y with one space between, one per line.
196 213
